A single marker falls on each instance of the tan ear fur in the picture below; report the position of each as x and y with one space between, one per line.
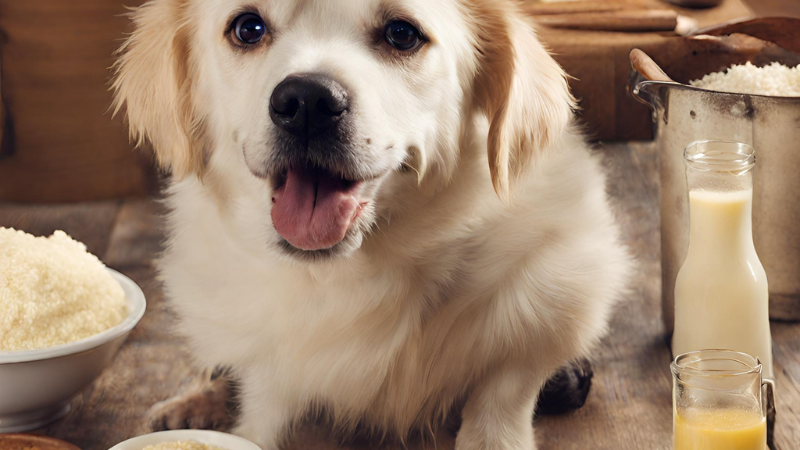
152 79
521 89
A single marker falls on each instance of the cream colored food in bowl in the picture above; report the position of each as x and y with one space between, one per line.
36 384
53 292
187 440
182 445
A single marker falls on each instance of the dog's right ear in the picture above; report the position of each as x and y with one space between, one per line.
520 88
151 78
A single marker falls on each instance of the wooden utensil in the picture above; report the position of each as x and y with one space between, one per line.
782 31
621 20
30 442
696 3
572 7
648 68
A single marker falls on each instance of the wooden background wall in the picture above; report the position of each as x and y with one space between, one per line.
59 140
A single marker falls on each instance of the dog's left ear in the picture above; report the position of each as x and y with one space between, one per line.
520 88
152 79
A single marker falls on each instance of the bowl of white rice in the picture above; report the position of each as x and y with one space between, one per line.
187 440
63 317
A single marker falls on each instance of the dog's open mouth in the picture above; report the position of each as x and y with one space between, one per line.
313 208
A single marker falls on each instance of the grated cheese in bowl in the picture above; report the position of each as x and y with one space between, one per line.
53 292
774 80
181 445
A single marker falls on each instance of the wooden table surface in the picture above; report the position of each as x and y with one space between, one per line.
629 406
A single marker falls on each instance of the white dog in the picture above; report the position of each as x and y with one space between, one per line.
379 208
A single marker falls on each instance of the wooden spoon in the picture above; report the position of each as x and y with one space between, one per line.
782 31
30 442
647 67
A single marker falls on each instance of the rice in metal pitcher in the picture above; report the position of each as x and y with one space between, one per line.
775 80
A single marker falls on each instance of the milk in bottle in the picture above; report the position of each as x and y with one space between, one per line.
721 295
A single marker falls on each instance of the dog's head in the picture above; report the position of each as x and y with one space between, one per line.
325 105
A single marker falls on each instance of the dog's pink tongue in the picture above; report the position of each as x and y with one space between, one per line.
313 210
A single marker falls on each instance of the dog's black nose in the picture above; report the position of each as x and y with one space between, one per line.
308 105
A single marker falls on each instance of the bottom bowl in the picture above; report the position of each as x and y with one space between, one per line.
215 438
36 386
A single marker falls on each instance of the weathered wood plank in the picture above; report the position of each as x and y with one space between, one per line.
90 223
786 351
137 237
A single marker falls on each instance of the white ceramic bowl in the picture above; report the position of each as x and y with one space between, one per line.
222 440
37 385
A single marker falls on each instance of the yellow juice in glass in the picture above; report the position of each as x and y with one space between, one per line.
720 429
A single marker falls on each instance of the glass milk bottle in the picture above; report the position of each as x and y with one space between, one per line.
721 296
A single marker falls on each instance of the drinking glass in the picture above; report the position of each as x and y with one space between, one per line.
719 401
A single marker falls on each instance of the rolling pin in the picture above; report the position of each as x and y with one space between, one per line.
620 20
572 7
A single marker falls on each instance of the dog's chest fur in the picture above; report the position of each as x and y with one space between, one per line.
397 334
373 343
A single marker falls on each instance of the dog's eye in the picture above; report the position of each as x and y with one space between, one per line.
403 36
249 28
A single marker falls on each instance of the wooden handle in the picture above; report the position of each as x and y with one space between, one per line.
696 3
572 7
647 67
27 441
624 20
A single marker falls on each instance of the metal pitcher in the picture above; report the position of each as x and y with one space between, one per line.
771 125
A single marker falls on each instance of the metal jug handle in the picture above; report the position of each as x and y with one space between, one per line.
768 396
634 87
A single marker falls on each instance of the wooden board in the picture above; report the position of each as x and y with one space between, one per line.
629 407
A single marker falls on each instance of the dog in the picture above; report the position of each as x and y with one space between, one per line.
382 211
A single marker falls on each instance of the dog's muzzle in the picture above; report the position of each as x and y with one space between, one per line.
316 184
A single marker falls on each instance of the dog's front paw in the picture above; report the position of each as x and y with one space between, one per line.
567 390
196 410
